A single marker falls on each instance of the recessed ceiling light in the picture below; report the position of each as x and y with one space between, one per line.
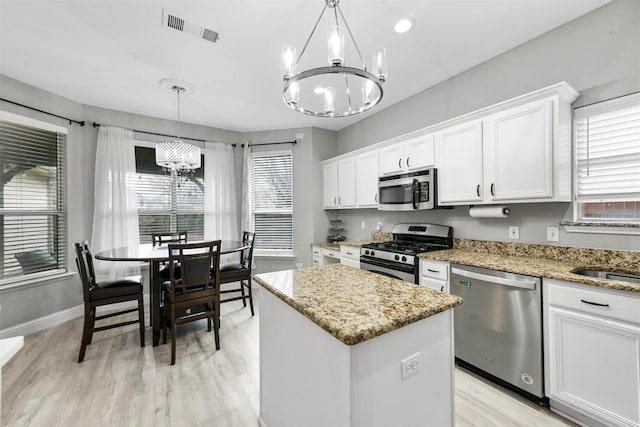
404 25
319 90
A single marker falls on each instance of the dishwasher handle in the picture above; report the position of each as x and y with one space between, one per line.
515 283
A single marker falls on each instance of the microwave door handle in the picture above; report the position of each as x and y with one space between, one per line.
415 193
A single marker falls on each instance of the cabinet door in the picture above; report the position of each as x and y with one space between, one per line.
418 152
330 178
367 180
459 162
347 183
594 366
518 153
391 159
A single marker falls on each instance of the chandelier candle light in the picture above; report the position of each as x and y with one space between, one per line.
178 156
335 90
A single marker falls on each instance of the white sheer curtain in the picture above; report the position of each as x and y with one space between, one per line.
247 177
220 198
115 214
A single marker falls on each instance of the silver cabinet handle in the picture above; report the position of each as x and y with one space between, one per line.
400 163
334 201
376 198
408 162
492 192
515 283
340 200
478 190
349 253
433 271
594 303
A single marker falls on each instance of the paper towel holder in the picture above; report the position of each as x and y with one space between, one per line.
488 211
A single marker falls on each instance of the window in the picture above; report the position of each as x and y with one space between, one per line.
167 202
272 203
32 198
608 161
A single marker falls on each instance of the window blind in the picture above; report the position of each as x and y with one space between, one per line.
272 201
32 200
168 202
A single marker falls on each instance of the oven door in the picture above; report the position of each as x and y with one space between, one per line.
406 192
385 268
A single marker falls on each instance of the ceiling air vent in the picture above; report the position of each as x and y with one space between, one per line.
172 20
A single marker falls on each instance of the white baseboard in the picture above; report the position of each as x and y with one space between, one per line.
54 319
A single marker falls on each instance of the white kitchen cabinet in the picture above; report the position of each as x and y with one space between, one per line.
459 162
316 255
340 183
415 151
434 274
592 353
518 153
350 255
367 180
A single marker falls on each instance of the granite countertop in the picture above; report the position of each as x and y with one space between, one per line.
336 246
327 245
560 267
354 305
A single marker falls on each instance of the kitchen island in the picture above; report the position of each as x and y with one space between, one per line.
345 347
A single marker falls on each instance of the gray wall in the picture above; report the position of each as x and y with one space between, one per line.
598 54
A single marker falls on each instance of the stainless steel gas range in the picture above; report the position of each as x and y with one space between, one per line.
398 258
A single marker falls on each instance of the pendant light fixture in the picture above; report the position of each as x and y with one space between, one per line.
335 90
178 156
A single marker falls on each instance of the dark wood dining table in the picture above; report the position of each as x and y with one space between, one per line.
155 255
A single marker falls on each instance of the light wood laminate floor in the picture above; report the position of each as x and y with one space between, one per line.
121 384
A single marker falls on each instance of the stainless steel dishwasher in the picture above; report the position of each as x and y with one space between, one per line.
498 328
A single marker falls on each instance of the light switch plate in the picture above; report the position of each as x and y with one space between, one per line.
552 234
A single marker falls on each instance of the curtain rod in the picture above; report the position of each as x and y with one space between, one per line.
44 112
95 125
294 142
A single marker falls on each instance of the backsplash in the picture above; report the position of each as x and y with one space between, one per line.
586 256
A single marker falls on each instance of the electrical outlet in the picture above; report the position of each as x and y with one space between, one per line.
410 365
379 226
363 226
552 234
514 232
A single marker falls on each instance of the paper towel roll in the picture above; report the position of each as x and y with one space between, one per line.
489 211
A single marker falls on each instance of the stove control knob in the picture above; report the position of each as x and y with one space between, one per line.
366 252
373 253
397 257
404 259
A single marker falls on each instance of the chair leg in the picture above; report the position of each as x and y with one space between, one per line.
164 324
250 295
141 319
244 298
173 334
87 331
92 316
216 324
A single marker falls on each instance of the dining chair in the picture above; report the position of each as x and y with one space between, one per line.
159 239
97 294
240 272
195 294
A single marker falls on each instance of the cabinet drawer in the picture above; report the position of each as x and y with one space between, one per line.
332 253
590 299
434 269
316 250
350 252
317 260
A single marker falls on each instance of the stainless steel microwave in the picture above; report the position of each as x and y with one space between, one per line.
408 191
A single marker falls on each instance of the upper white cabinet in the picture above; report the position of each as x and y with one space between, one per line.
459 161
517 151
367 180
414 152
340 183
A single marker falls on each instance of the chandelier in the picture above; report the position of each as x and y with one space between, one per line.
177 156
335 90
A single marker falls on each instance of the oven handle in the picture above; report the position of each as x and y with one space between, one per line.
415 193
405 268
515 283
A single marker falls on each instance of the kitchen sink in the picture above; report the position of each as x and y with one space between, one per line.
608 274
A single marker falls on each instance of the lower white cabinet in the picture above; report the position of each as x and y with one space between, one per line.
434 274
316 254
592 353
350 255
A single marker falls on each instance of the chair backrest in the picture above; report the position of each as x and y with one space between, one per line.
84 261
161 238
247 253
200 266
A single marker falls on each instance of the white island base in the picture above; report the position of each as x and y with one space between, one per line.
310 378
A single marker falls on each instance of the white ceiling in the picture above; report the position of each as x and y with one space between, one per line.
112 54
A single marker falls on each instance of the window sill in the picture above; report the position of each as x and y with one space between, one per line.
25 282
632 229
275 255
